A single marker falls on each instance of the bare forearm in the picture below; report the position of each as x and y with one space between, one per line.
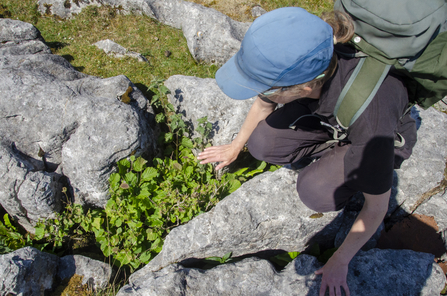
336 269
365 225
259 111
226 154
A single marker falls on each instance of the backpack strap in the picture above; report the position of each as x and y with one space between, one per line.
360 89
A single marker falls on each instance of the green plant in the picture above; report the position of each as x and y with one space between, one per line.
284 258
10 238
64 227
221 260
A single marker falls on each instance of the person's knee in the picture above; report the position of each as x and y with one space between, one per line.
312 193
260 144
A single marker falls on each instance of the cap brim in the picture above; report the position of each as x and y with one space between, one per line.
235 83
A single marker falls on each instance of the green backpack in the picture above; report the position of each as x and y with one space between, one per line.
410 35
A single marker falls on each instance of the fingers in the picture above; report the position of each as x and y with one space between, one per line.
224 154
323 288
346 288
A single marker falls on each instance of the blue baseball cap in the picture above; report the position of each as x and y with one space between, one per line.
283 47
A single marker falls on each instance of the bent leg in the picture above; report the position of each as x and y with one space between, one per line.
321 185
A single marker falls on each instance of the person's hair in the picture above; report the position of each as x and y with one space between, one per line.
343 28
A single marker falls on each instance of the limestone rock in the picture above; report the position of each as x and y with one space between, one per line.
257 11
27 271
211 36
375 273
95 273
27 195
117 50
264 214
65 122
18 38
424 170
197 97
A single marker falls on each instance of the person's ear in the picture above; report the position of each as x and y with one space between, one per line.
306 91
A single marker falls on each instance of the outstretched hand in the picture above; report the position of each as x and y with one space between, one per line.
224 154
334 278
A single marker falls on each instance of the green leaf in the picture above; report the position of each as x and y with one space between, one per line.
226 256
314 250
170 107
262 166
160 117
131 179
253 172
218 259
164 89
97 223
145 256
40 231
187 143
123 166
240 172
114 180
323 258
8 223
177 166
148 174
151 236
111 203
168 137
233 185
284 258
138 165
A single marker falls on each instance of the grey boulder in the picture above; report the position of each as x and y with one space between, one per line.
211 36
27 271
26 194
63 123
199 97
95 274
374 273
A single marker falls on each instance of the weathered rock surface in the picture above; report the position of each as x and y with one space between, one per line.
27 271
376 272
425 168
95 273
62 123
257 11
211 36
263 214
113 48
26 194
197 97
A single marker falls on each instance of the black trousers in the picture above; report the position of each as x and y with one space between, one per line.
321 185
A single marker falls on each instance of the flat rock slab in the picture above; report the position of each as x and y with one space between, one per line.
114 49
263 214
372 273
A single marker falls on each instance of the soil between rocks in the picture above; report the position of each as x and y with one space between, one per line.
415 232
